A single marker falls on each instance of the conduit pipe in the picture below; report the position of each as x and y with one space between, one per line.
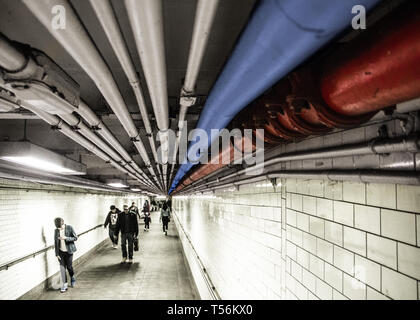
204 17
75 39
6 48
99 127
10 172
64 128
383 146
146 22
260 60
363 176
109 23
403 144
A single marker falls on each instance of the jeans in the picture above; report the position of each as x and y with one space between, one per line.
66 262
127 237
147 223
165 221
111 236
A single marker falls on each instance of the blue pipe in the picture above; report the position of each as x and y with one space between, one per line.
280 35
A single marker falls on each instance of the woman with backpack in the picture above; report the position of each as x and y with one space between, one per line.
165 217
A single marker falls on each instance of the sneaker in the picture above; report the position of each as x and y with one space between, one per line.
72 282
145 229
64 288
115 246
130 261
166 233
123 260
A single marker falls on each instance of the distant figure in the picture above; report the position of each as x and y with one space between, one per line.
111 219
128 225
165 217
169 203
135 209
64 238
153 203
146 213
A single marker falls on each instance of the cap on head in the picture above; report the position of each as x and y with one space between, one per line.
112 207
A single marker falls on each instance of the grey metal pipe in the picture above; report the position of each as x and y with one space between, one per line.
78 44
92 119
70 133
109 23
146 20
410 144
11 58
204 17
364 176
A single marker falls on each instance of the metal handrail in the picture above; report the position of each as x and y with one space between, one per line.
203 270
6 265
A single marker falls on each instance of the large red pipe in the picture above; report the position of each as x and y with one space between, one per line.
378 69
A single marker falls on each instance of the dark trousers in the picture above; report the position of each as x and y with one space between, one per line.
111 235
147 223
165 221
66 262
127 237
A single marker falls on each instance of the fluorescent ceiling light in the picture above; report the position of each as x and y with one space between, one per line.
135 190
117 183
30 155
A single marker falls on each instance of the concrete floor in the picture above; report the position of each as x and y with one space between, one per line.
158 271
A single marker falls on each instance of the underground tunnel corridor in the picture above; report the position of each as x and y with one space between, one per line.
281 136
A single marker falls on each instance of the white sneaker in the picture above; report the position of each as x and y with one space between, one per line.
145 229
64 288
123 260
130 261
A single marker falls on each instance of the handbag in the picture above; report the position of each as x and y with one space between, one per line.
136 244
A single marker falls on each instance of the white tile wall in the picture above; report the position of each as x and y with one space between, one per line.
382 250
343 240
343 213
398 286
398 225
381 195
367 218
354 192
27 213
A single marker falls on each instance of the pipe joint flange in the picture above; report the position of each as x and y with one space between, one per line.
57 126
187 99
95 128
135 84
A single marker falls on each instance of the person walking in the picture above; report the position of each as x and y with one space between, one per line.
134 209
64 238
146 213
111 220
128 225
165 216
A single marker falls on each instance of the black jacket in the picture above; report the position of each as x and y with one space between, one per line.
71 238
108 218
133 226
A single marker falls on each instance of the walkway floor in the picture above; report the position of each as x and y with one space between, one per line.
158 271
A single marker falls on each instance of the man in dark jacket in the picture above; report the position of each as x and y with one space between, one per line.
111 219
128 225
64 238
